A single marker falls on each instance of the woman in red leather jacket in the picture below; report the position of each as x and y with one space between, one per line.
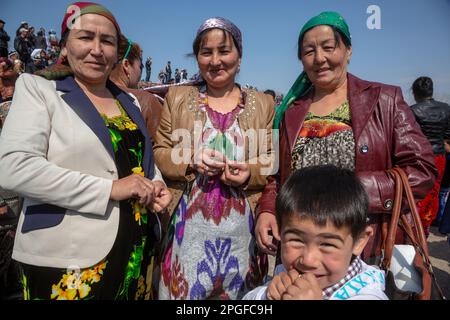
330 116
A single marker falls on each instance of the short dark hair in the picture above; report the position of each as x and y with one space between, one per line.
270 92
1 21
423 87
338 37
325 194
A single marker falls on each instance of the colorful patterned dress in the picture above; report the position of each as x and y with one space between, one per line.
429 206
326 140
127 271
210 249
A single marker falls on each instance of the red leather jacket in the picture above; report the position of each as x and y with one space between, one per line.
386 135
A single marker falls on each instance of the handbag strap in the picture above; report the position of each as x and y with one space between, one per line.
416 235
420 234
389 238
414 232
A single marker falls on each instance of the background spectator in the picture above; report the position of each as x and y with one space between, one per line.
434 120
168 72
148 69
41 40
4 38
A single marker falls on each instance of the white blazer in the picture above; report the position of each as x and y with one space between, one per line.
56 152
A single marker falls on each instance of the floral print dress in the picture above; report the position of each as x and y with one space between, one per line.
127 272
210 249
325 140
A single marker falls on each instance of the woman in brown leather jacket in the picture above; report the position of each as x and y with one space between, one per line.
127 74
213 146
332 117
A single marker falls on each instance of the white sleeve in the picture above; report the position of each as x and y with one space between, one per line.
24 167
258 293
136 101
158 176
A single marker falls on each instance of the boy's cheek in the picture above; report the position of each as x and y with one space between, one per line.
288 256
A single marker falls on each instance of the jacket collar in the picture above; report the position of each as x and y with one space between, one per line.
362 95
74 96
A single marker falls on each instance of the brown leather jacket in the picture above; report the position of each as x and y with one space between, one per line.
386 135
180 110
150 109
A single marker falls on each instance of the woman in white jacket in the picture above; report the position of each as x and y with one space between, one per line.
78 150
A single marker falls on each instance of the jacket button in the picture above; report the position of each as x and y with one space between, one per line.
388 204
364 149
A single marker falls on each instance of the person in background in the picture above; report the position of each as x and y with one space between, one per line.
184 75
17 64
148 69
216 173
41 39
161 77
330 116
24 49
23 25
4 39
443 218
10 202
78 151
168 72
53 41
38 57
434 120
8 77
32 37
323 230
271 93
127 73
177 75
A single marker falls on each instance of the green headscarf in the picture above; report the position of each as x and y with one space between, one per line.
303 84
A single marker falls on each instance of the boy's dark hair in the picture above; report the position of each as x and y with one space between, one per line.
423 88
325 193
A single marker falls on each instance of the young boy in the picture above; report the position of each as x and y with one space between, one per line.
322 214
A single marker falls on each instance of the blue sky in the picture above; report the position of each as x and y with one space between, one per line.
414 38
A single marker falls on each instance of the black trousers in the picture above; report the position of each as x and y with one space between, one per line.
4 52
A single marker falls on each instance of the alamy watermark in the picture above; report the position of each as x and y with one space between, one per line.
72 21
374 20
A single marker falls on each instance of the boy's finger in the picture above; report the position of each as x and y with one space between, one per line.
294 275
286 279
275 232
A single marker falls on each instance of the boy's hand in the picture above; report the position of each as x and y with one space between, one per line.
304 287
280 283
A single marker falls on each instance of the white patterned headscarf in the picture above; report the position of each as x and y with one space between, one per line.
223 24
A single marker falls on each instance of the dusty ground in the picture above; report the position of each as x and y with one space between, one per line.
440 258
